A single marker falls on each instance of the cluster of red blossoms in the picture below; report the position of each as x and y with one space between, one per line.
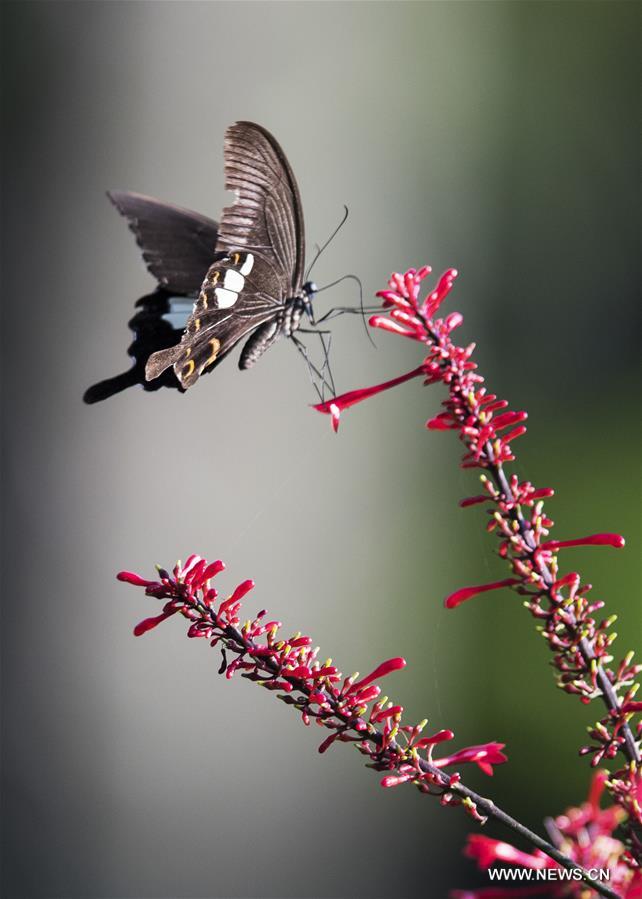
581 643
351 708
584 834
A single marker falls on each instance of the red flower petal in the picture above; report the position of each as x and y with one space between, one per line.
615 540
366 695
455 599
213 569
380 671
337 404
508 418
442 422
439 737
237 596
514 434
388 713
486 851
241 590
386 324
150 623
484 756
129 577
434 299
393 780
474 500
301 671
542 493
597 788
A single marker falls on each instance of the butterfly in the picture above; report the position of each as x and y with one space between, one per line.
246 274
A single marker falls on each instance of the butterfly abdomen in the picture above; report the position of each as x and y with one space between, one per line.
260 341
263 338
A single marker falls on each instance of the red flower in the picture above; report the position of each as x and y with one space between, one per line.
585 835
484 756
335 407
455 599
349 707
487 851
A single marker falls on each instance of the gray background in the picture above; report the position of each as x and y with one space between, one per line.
498 138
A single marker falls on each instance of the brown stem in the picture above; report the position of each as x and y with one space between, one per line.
373 735
609 695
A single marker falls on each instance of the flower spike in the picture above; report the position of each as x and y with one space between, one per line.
350 708
488 429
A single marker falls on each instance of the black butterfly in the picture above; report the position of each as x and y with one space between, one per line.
247 276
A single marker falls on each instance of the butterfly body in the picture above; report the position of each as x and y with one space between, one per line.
284 326
253 288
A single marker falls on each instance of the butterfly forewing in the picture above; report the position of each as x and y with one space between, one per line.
236 298
266 215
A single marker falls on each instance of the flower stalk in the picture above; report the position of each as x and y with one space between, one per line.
351 708
581 644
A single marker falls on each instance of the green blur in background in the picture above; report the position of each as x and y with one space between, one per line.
498 138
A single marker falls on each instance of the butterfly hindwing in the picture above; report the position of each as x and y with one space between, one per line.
232 303
178 245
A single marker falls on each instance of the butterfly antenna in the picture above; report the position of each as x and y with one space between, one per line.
320 250
363 313
340 310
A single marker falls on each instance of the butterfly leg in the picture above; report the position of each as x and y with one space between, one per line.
326 347
316 376
326 358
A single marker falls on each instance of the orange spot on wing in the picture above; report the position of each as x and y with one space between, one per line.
216 345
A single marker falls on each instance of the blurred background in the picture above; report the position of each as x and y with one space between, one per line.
499 138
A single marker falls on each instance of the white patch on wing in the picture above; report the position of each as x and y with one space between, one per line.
225 298
233 280
246 268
